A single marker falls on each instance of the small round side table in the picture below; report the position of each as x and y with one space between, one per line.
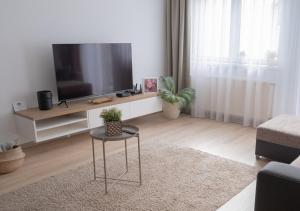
128 131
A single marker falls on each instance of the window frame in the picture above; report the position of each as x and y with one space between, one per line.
234 51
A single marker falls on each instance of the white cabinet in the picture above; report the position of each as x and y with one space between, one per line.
125 108
129 110
145 106
94 118
26 128
94 115
49 125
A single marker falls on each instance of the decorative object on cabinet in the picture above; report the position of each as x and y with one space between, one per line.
150 84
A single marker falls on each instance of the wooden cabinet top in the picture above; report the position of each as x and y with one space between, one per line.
77 106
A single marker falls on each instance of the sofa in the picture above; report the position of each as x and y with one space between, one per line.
278 183
279 139
278 187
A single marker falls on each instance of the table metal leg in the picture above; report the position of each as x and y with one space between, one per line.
126 155
139 149
93 145
104 161
126 160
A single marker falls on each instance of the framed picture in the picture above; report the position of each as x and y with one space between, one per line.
150 84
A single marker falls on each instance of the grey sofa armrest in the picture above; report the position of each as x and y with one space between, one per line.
278 188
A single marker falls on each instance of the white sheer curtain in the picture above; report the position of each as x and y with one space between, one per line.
236 60
287 93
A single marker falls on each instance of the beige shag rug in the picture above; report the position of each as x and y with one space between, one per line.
173 179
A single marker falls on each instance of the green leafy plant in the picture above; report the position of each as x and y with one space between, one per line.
8 146
168 93
111 115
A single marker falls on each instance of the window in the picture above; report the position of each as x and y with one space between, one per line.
239 31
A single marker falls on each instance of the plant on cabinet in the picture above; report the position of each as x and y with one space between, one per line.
173 102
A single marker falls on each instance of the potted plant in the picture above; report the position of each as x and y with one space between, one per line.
173 102
112 121
11 157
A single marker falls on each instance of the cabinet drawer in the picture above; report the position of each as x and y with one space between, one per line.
125 108
94 115
145 106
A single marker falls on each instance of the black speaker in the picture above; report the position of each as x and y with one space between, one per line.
45 99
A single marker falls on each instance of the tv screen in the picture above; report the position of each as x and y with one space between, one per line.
92 69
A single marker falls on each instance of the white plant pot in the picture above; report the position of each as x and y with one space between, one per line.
171 111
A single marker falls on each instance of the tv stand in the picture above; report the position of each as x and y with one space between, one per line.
63 102
34 125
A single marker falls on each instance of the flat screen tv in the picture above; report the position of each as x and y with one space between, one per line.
84 70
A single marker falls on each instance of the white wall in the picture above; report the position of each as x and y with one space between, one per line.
28 28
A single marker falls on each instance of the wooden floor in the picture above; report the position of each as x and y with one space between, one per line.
230 141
